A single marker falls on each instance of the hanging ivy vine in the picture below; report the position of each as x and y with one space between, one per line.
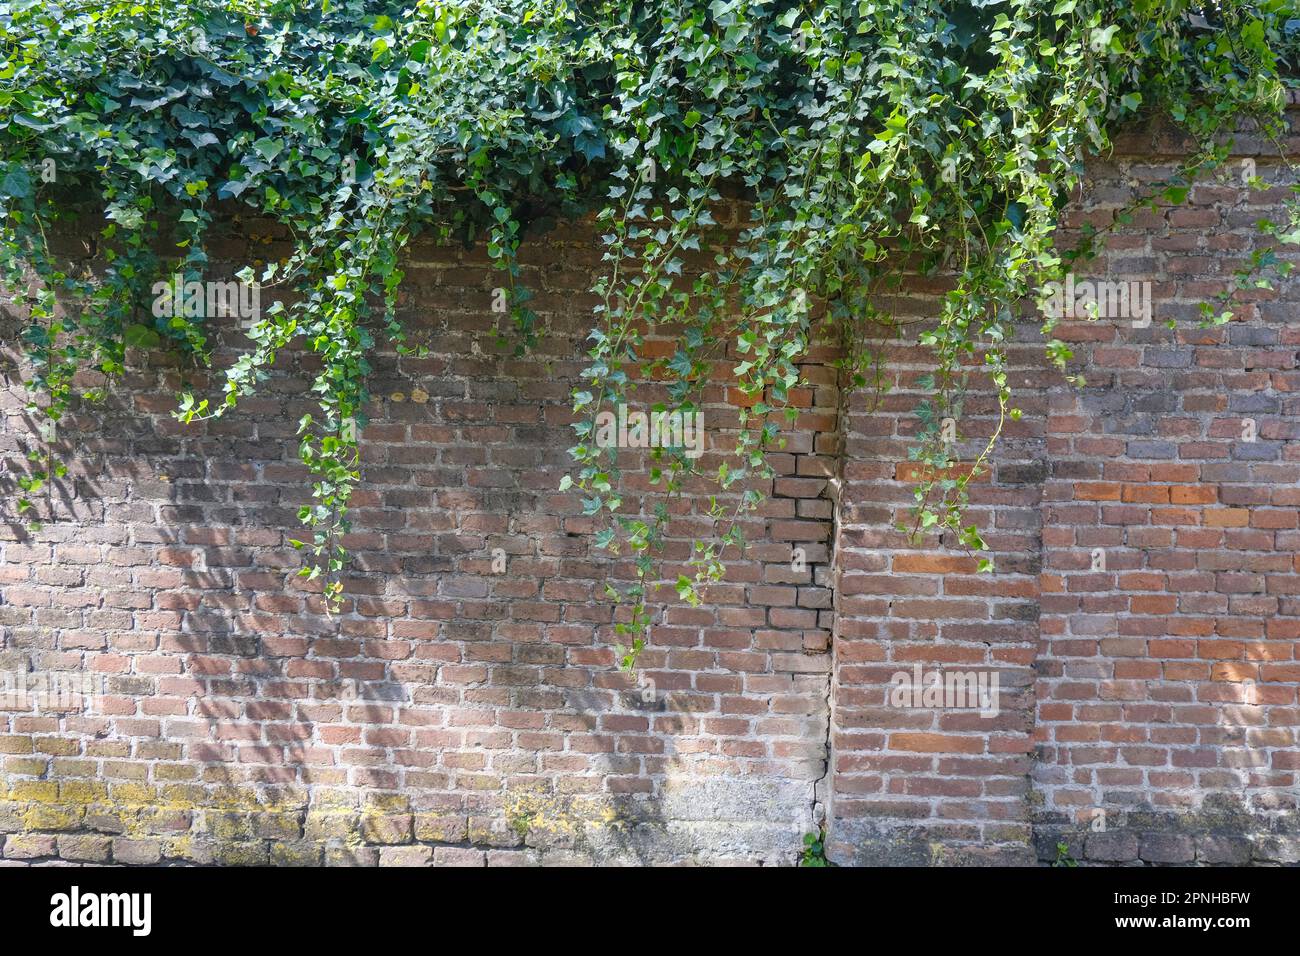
874 139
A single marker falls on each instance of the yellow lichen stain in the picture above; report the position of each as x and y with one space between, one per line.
51 817
82 791
36 791
187 820
387 803
528 811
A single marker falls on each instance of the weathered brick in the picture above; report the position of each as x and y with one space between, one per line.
1214 848
140 852
1167 848
1111 847
405 856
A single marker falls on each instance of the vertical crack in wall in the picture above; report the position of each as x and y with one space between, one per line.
824 786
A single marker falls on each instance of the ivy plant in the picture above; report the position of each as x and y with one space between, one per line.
872 140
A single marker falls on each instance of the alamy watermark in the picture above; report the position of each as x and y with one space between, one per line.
953 690
74 909
657 429
196 299
49 691
1095 299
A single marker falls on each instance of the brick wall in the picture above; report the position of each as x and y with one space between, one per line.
458 715
460 710
1167 676
1143 617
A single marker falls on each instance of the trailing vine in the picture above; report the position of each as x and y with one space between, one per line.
871 140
